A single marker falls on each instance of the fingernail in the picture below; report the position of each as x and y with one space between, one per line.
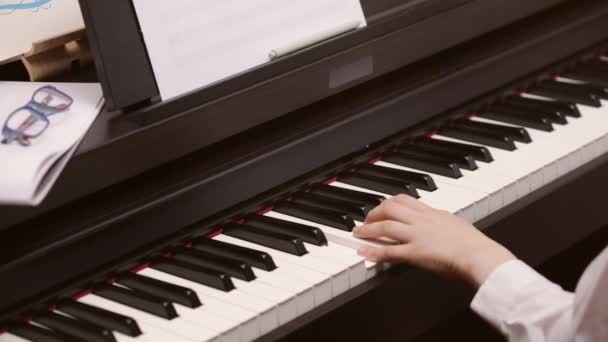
363 251
356 230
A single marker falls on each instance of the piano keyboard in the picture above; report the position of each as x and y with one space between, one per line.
269 268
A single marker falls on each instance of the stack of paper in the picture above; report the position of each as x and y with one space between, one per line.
41 127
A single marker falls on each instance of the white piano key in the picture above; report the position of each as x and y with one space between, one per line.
323 282
286 301
468 203
339 274
343 256
338 270
151 333
8 337
435 199
217 302
266 310
546 148
177 326
340 258
515 174
590 126
452 195
568 80
505 164
550 155
302 289
538 155
339 237
576 134
223 327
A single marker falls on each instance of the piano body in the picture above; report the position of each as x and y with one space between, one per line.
241 196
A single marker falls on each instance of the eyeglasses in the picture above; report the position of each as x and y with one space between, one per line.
31 120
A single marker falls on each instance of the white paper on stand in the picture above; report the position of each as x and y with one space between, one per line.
27 173
195 43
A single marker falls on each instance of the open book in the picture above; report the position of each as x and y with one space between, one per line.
41 127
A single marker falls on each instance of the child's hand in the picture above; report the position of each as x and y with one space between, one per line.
431 239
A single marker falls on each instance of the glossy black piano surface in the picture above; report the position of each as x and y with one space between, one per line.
147 180
399 34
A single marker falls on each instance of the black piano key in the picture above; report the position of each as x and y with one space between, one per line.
171 292
101 317
323 216
462 161
423 162
479 137
258 259
232 267
379 184
551 116
515 117
281 242
355 210
347 194
543 106
308 234
566 92
80 330
516 133
491 135
419 180
599 91
38 334
594 72
204 276
480 153
138 300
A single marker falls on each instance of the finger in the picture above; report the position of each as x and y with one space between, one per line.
392 254
411 202
390 210
384 229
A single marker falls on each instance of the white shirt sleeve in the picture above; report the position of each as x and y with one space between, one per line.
527 307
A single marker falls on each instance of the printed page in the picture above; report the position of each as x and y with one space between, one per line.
33 159
194 43
23 22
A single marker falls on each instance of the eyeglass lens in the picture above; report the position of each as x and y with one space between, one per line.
51 99
27 122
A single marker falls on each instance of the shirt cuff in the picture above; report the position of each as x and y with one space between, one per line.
503 290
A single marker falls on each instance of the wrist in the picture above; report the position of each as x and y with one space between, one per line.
484 261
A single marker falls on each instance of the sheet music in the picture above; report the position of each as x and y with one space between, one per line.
23 22
194 43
